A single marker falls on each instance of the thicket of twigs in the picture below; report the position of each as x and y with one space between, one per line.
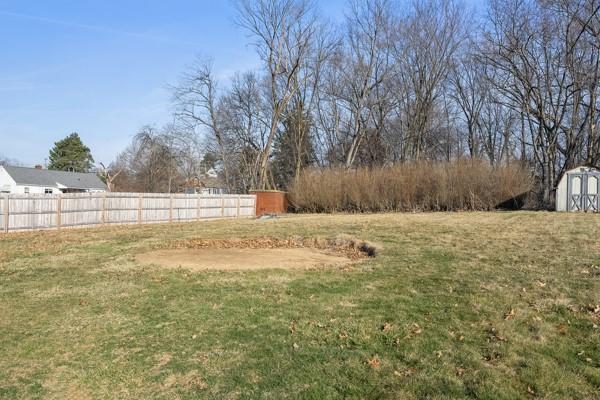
424 186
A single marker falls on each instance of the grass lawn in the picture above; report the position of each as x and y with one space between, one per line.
457 305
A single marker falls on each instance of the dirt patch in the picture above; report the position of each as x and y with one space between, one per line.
261 253
342 244
241 259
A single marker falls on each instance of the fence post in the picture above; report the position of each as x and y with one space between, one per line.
198 209
139 210
171 207
222 205
103 209
6 205
239 199
59 211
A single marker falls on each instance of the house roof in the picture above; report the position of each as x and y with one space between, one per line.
211 182
205 181
51 178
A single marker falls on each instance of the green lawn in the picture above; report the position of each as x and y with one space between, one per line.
457 305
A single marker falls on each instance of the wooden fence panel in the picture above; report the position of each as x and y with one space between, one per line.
31 212
185 207
247 206
211 206
155 208
79 210
230 206
121 208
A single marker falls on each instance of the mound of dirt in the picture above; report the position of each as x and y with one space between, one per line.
260 253
342 244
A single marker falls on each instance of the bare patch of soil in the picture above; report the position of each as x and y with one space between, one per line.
261 253
342 244
241 259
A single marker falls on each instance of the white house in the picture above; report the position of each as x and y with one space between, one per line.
21 180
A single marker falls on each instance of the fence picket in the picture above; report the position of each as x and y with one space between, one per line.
6 205
59 211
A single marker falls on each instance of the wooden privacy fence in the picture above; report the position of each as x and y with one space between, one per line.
30 212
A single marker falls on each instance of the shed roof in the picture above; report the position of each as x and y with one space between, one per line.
51 178
582 168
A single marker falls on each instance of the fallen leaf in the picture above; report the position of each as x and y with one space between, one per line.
593 308
374 362
386 327
510 315
405 373
416 329
495 335
562 329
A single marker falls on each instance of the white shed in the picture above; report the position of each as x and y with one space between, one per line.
579 190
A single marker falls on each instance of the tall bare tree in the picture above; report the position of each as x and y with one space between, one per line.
427 45
196 98
283 32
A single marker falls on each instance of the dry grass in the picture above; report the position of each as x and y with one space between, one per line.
455 305
426 186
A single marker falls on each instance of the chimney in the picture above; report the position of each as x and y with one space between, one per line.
38 166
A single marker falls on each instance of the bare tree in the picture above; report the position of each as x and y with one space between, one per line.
427 44
157 160
356 101
470 92
245 125
283 33
196 99
529 48
8 161
110 175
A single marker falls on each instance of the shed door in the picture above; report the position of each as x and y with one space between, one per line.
584 192
592 192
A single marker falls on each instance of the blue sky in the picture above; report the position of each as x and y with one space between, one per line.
101 68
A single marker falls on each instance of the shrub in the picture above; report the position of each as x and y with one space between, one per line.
463 184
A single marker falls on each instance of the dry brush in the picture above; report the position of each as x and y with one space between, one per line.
420 186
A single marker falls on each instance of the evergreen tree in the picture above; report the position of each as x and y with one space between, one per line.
70 154
293 147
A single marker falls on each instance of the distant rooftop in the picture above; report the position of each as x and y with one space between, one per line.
52 178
